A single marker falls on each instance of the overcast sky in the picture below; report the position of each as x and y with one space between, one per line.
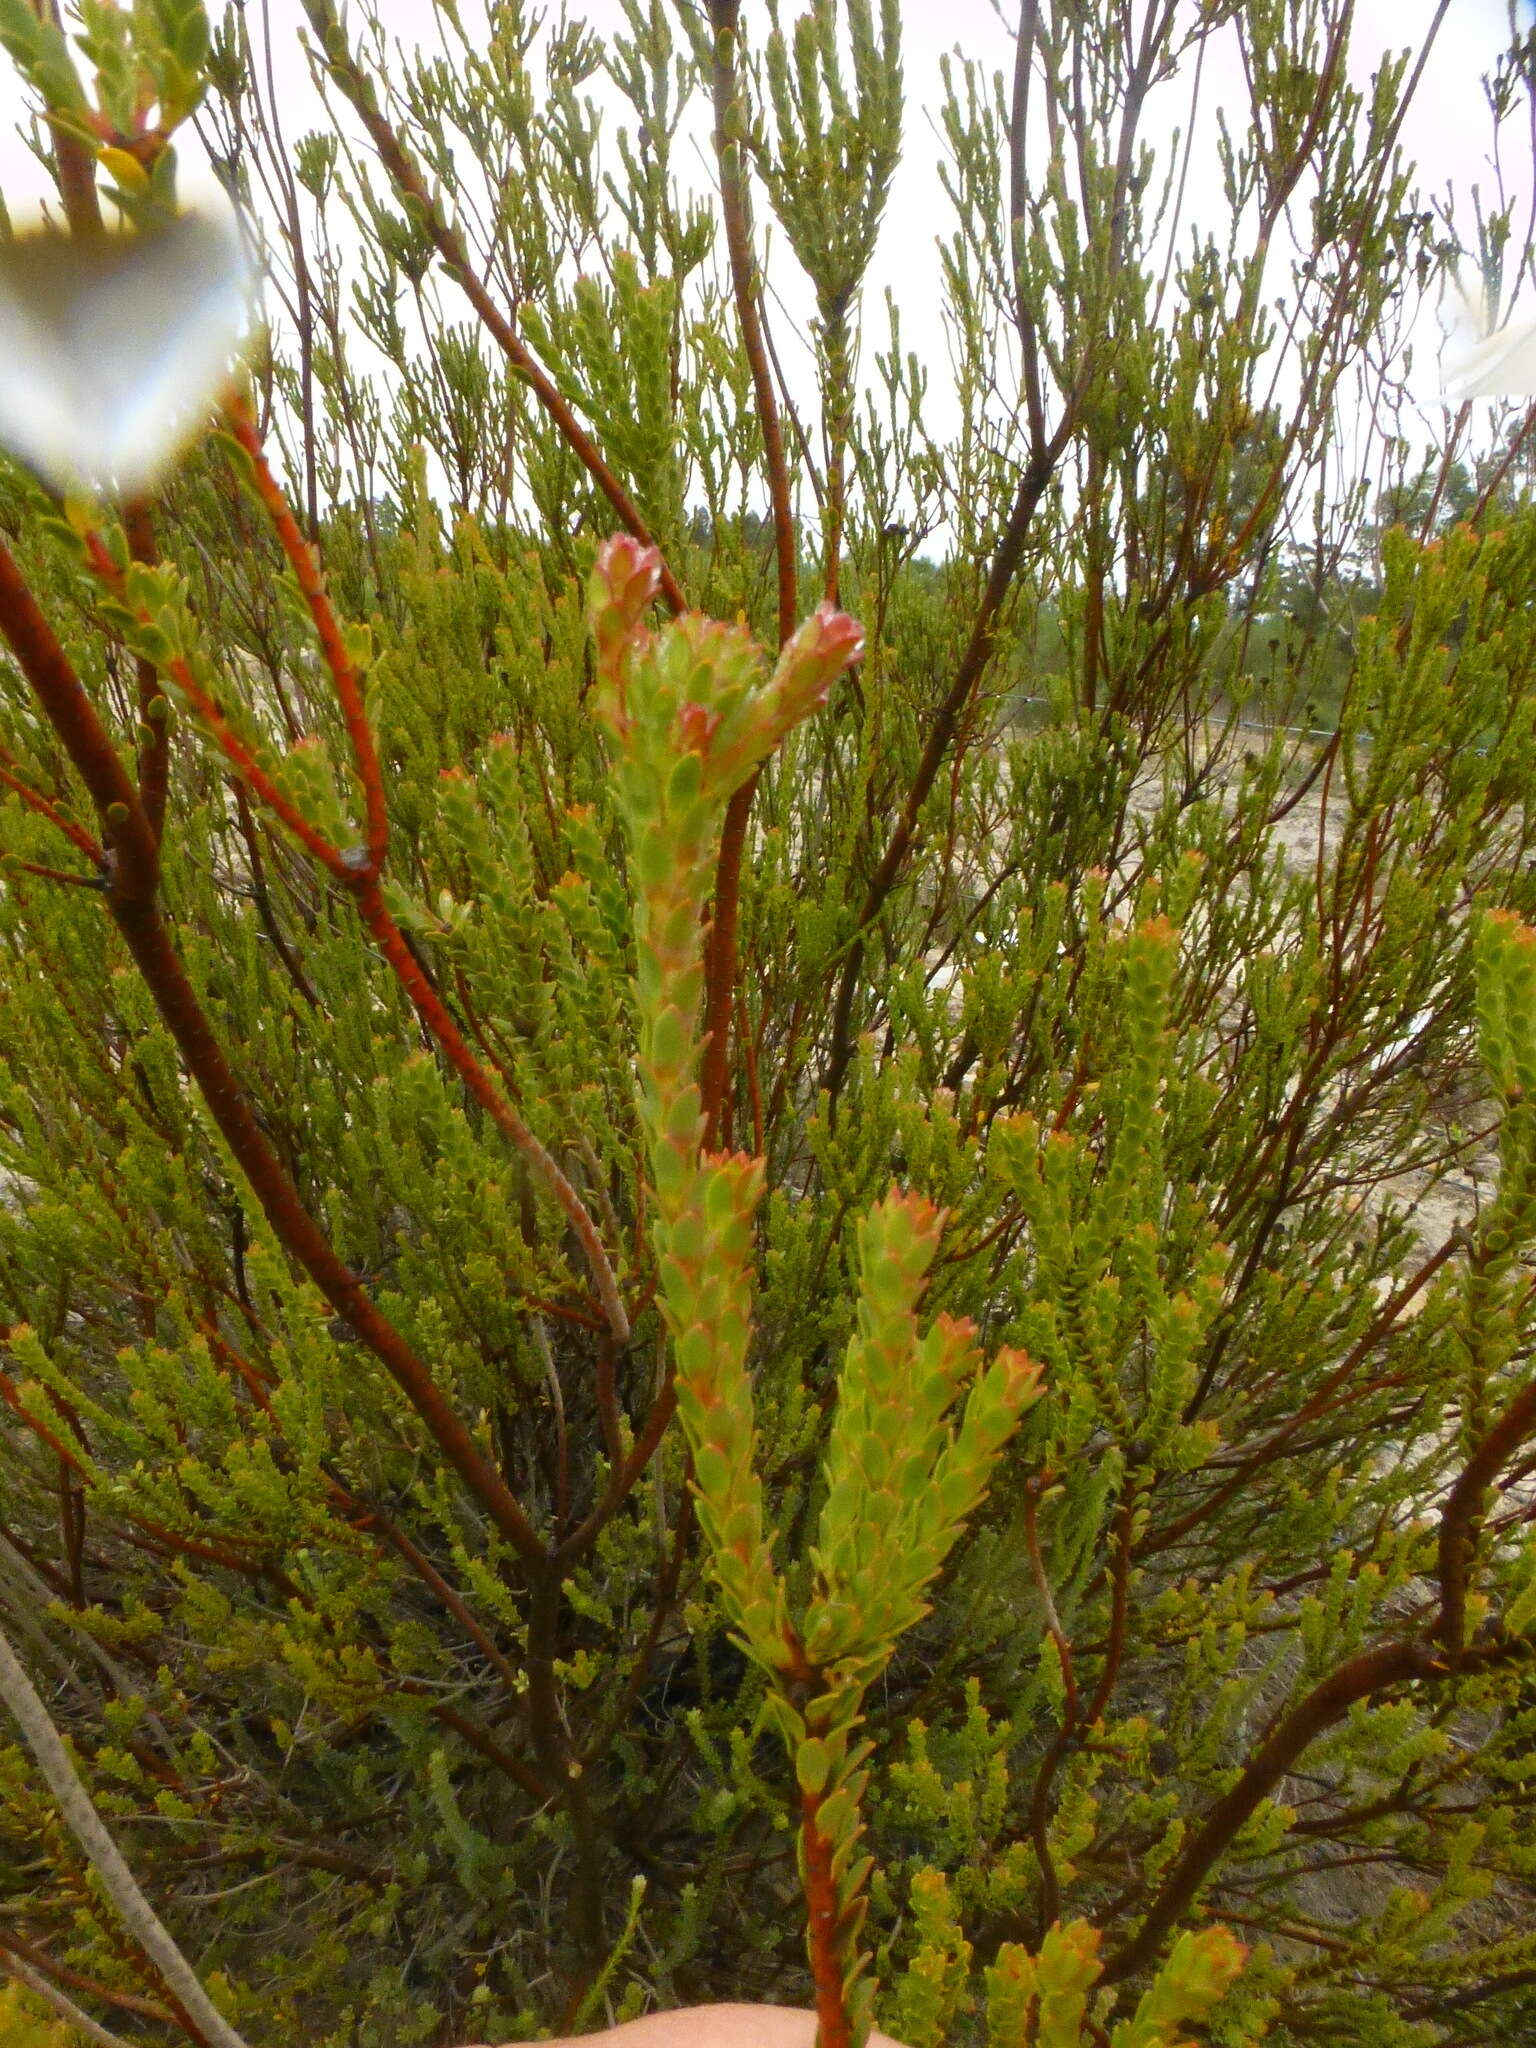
1447 133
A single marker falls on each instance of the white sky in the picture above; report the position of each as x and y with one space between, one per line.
1448 131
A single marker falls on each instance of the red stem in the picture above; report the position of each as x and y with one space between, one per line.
622 1478
35 800
1461 1519
155 737
229 742
74 1980
33 867
361 879
720 967
833 2029
1050 1890
131 857
435 1015
736 210
1390 1664
131 899
349 689
735 206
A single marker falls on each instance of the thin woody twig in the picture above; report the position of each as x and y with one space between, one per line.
64 2006
138 1916
344 676
736 211
1050 1889
1460 1519
1362 1677
154 711
434 1014
973 662
34 867
36 801
449 244
12 1945
228 741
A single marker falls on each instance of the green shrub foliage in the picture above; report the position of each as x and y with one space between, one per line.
702 1303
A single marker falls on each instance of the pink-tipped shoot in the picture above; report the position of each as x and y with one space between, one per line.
827 644
624 581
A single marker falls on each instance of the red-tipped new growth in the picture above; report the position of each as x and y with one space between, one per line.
691 716
622 587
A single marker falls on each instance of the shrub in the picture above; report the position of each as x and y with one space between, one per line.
651 1287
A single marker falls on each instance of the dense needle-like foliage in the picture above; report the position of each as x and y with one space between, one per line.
632 1245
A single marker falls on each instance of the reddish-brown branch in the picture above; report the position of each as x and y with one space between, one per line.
1039 1806
754 1086
486 1745
46 874
546 1726
1317 1405
131 899
131 857
833 2027
661 1607
562 1312
609 1420
736 212
1018 219
1370 1673
154 719
1461 1518
162 971
376 1522
344 677
75 1980
450 247
303 1855
1436 2005
1058 1635
430 1576
36 801
1119 1592
72 1531
435 1015
360 877
262 898
720 966
622 1478
10 1393
973 662
144 932
229 742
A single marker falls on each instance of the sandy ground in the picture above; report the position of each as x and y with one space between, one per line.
1440 1203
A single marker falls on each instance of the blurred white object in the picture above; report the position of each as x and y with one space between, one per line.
113 348
1475 364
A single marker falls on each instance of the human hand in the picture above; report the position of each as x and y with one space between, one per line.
714 2026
